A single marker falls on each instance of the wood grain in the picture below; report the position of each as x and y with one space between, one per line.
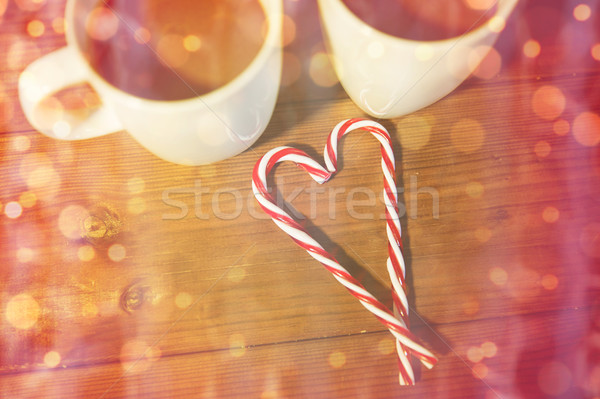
179 268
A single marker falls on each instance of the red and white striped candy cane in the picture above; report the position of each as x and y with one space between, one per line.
397 322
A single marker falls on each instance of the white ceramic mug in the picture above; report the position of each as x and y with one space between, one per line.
200 130
388 76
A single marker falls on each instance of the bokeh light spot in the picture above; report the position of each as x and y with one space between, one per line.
336 359
483 234
485 62
582 12
386 346
101 24
21 143
595 51
142 35
13 209
542 149
480 370
474 189
561 127
531 48
320 70
586 129
470 306
85 253
136 185
289 30
89 309
237 345
70 221
498 276
589 240
171 51
192 43
183 300
136 205
548 102
554 378
292 69
117 252
467 135
61 129
27 199
415 132
22 311
58 25
475 354
35 28
236 274
52 359
549 282
550 214
134 356
25 254
489 349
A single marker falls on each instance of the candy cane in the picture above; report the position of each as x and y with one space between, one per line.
397 322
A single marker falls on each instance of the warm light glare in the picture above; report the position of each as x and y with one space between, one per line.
35 28
475 354
550 214
474 189
489 349
467 135
58 25
101 24
554 378
582 12
85 253
337 359
289 30
22 311
136 205
27 199
21 143
586 129
531 48
561 127
236 274
497 24
142 35
13 210
321 71
414 131
237 345
183 300
480 370
192 43
542 149
498 276
480 4
70 221
116 252
171 51
595 51
483 234
485 62
549 282
548 102
386 346
52 359
24 254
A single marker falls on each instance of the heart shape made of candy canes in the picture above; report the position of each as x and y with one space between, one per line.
397 321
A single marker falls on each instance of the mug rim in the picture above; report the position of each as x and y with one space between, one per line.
504 8
272 10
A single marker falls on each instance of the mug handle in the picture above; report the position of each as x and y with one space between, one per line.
50 74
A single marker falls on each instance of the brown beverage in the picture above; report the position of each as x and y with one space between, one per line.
421 19
171 49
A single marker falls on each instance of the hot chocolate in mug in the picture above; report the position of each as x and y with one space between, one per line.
394 57
193 81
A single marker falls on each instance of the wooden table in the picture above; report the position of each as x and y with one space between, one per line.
126 276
